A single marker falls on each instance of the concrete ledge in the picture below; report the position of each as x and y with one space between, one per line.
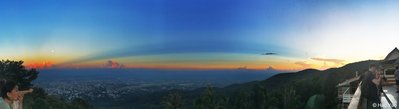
356 98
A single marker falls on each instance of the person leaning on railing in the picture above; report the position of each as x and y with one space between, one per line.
370 89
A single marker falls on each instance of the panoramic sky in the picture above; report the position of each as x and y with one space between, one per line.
197 34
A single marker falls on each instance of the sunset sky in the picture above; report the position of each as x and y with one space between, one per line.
197 34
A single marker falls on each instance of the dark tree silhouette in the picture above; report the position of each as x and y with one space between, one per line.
173 101
209 101
14 70
79 103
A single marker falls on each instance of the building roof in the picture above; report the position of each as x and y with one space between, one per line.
393 55
391 59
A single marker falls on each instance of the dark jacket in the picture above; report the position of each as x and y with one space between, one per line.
369 90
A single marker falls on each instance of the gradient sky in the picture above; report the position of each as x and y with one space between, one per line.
197 34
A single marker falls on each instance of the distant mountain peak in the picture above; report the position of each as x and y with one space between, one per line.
270 69
242 68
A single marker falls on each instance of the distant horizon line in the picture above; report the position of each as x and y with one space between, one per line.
193 69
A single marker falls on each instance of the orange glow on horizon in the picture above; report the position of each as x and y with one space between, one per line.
254 63
40 65
113 64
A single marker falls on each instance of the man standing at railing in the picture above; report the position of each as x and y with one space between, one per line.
370 89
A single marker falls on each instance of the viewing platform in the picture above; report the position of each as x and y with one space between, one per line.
389 86
390 91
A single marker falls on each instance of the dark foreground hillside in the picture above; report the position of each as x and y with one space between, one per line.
281 91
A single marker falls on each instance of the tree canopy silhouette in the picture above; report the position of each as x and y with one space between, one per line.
14 70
